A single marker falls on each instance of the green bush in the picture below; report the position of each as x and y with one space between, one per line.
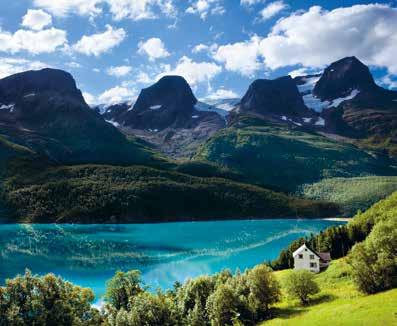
301 285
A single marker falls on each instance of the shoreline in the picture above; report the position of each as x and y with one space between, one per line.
338 219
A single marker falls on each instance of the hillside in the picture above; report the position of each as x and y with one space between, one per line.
276 155
352 194
111 194
338 303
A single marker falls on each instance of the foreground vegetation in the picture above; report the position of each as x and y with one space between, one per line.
351 194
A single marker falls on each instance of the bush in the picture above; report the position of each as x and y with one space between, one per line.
374 261
46 300
300 284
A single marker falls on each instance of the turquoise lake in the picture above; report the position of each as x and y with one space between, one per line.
88 255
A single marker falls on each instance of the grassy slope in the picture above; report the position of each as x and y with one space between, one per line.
278 156
338 303
352 194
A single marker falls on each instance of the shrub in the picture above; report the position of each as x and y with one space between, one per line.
300 284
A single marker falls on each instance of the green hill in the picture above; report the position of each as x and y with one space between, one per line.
276 155
116 194
352 194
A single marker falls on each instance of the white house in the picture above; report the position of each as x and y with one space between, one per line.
306 258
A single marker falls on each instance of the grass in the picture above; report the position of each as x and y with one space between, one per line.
338 303
352 194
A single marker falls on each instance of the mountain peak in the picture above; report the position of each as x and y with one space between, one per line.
277 96
342 77
19 85
171 92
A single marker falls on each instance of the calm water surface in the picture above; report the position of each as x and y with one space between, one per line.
88 255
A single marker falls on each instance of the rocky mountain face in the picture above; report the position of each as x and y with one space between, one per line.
277 100
167 115
44 111
342 77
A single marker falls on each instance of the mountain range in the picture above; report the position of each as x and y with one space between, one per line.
281 135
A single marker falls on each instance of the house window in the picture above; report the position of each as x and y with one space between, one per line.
300 256
312 257
313 265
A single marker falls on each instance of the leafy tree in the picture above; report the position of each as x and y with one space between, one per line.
194 291
264 290
222 306
123 287
46 300
374 261
301 284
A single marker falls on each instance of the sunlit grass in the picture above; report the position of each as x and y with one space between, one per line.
338 303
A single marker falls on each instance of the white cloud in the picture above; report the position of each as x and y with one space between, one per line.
388 81
205 7
117 94
36 19
73 64
65 7
89 98
318 37
97 44
120 9
205 48
193 72
222 94
154 48
250 2
140 9
272 9
144 78
10 66
200 48
35 42
241 57
119 71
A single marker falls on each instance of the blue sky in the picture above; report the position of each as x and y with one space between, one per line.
114 48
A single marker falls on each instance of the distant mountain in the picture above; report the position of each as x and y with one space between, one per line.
168 116
45 112
352 105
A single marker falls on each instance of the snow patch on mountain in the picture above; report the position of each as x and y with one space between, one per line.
114 123
309 84
155 107
320 122
317 105
221 107
9 107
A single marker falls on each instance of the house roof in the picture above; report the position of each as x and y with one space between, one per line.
301 248
324 256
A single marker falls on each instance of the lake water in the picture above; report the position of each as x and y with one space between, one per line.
88 255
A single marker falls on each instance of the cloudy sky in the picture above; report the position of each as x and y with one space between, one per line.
114 48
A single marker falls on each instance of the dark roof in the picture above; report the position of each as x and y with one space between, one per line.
325 256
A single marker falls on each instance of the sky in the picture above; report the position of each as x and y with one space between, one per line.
114 48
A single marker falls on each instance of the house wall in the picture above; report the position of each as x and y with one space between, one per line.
306 260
